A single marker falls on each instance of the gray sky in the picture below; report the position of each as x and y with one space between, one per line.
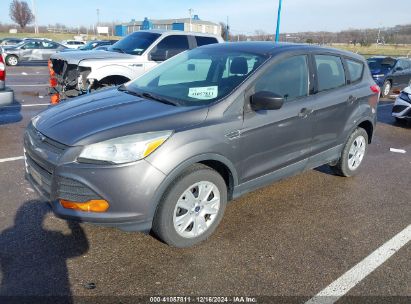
244 16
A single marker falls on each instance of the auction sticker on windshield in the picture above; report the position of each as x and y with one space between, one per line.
203 93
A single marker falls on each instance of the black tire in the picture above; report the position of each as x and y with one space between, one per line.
386 87
342 166
163 224
12 60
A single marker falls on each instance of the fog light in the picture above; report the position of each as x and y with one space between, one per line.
55 98
90 206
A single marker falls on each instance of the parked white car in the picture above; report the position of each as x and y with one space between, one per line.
76 73
402 106
73 44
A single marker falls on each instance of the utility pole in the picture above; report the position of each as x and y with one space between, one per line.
227 31
36 28
277 31
190 11
98 17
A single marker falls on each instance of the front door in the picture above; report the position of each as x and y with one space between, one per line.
274 139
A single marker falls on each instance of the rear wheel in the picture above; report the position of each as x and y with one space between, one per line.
192 208
386 89
12 60
353 154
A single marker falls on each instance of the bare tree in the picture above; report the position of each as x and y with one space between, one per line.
20 13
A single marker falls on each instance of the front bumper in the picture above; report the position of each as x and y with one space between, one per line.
401 109
130 189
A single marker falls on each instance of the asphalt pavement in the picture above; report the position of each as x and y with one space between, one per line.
287 241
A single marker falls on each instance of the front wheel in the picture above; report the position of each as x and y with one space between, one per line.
353 154
192 207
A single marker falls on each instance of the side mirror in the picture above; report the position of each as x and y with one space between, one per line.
265 100
159 55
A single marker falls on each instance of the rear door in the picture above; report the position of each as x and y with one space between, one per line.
333 103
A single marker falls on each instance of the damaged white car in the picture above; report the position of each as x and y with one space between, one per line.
76 73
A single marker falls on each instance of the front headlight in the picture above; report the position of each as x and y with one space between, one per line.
124 149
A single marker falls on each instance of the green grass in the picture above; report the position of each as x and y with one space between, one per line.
374 49
54 36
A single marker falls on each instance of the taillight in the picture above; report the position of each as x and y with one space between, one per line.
375 89
374 99
2 69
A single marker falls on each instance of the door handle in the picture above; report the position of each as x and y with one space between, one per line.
305 112
351 99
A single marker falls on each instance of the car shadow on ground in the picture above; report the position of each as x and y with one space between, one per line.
10 113
33 259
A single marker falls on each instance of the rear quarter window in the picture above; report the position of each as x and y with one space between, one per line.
355 69
205 40
330 71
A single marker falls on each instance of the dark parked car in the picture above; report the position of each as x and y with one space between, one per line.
169 149
31 50
390 73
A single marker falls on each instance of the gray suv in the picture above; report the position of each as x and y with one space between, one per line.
165 152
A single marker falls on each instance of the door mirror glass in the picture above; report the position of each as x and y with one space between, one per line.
159 55
265 100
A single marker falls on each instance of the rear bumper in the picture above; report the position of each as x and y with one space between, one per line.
6 97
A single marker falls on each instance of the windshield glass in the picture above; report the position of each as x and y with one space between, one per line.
134 44
198 77
381 63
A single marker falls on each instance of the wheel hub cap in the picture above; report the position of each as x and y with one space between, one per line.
356 153
196 209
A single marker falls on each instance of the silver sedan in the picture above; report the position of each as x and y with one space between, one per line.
31 50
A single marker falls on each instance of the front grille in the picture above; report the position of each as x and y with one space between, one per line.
71 190
398 108
43 142
41 176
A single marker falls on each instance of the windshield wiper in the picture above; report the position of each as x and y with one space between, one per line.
158 98
123 88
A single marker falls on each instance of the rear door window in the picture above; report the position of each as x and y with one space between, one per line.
288 78
174 43
355 69
330 72
205 40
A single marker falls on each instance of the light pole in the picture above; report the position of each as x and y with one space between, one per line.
277 31
190 11
36 28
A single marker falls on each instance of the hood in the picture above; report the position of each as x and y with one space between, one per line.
76 56
111 113
8 47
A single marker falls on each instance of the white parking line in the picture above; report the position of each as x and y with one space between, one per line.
8 74
27 105
28 85
352 277
5 160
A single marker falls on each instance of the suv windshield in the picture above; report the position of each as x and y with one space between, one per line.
381 63
197 77
134 44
